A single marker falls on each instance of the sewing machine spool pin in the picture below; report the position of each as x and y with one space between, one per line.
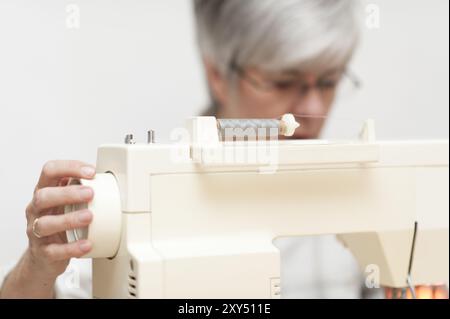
151 137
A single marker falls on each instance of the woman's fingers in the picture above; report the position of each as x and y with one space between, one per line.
50 197
53 171
59 252
52 224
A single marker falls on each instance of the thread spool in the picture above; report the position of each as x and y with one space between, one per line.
256 129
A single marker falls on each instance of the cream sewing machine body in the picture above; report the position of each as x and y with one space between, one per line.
189 220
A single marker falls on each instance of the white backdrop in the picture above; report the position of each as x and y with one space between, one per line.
132 65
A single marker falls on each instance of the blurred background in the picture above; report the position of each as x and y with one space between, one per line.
128 66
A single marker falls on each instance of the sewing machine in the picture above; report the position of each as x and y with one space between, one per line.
197 218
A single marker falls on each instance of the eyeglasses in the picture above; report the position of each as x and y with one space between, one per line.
288 88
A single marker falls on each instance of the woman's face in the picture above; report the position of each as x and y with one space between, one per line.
261 94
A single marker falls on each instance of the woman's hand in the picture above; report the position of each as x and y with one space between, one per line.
51 251
48 252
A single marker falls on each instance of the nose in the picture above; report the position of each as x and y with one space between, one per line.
309 103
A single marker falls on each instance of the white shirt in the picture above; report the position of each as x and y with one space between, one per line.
75 282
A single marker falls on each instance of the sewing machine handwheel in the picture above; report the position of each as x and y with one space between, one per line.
105 230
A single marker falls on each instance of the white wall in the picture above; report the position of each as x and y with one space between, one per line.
132 65
404 68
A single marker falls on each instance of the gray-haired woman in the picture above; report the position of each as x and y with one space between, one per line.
262 58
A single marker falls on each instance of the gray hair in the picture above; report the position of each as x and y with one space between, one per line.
309 35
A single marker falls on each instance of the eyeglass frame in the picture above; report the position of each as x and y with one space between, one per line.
354 79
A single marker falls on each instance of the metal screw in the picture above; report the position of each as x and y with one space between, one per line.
129 139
